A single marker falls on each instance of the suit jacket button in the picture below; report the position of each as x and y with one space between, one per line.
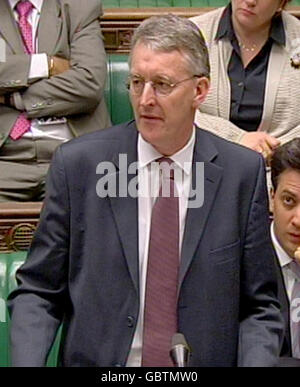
130 321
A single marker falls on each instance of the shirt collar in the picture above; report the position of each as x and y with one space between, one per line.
283 257
36 3
183 158
225 28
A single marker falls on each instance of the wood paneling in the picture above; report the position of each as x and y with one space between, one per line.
18 222
118 24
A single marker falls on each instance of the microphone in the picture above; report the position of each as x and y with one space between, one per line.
180 351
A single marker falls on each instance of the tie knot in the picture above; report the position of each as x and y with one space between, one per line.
167 167
24 8
165 159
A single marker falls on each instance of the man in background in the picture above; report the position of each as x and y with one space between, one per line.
285 232
52 77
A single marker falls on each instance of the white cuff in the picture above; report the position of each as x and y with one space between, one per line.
18 102
39 66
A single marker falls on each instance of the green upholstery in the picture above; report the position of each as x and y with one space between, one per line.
8 266
3 312
116 94
9 263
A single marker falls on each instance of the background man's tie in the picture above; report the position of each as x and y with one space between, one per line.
24 8
160 316
295 310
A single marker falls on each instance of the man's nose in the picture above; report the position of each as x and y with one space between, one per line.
296 217
148 95
250 3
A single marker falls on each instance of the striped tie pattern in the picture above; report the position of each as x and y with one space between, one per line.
295 311
160 316
24 8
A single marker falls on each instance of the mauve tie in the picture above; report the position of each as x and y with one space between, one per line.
160 315
24 8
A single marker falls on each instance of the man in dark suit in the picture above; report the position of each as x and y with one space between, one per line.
285 232
52 77
91 261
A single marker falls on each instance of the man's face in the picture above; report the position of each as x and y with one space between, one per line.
165 122
286 209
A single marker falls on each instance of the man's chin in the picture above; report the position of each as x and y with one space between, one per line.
150 129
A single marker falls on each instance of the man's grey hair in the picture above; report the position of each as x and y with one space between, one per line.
168 33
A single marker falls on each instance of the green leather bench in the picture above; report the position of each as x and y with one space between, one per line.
9 263
116 94
118 104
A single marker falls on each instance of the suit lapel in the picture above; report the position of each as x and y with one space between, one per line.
9 29
50 26
125 209
205 152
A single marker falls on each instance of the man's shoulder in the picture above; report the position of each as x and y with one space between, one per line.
80 3
80 7
101 138
228 151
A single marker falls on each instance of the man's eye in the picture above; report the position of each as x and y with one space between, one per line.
288 201
137 82
162 85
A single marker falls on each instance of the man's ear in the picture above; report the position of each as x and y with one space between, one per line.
272 193
201 91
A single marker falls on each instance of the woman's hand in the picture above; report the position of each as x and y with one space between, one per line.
260 142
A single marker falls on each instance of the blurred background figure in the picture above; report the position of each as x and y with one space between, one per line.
52 76
285 232
254 46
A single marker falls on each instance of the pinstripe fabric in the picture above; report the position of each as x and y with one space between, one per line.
160 318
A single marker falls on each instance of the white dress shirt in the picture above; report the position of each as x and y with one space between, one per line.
284 259
148 182
39 69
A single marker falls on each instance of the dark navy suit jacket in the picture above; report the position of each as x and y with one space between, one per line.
83 264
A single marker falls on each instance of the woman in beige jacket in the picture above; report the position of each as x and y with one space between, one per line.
254 48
